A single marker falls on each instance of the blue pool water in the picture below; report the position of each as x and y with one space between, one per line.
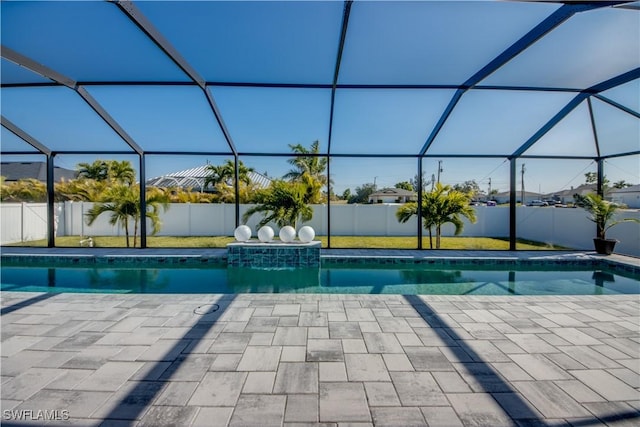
349 279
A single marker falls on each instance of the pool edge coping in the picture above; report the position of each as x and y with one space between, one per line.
218 257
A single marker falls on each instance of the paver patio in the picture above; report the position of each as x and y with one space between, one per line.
330 360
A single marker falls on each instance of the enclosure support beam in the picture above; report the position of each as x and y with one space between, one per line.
618 106
571 105
600 181
336 72
108 119
218 116
445 115
628 153
420 195
141 21
593 126
552 21
37 68
328 202
51 214
71 84
147 27
512 205
143 203
17 131
236 184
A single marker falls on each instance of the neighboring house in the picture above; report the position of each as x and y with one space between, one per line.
14 171
393 195
194 178
566 196
629 196
503 197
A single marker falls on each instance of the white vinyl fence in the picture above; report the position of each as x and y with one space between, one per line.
566 227
23 222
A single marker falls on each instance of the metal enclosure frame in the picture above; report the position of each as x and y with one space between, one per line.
133 13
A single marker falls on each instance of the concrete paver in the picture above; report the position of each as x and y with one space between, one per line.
366 367
345 402
259 383
219 389
296 378
479 410
259 411
381 394
302 408
335 360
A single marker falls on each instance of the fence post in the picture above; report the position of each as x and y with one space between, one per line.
386 220
512 205
81 219
51 232
22 206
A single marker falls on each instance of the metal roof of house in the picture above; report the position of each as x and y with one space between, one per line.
631 189
393 192
194 178
14 171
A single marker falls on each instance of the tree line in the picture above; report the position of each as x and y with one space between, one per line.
112 186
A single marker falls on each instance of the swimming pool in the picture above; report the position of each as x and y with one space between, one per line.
369 278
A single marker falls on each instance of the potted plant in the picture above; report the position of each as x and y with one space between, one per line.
601 212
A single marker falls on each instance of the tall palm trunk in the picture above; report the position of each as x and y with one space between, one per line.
430 239
438 237
135 233
126 231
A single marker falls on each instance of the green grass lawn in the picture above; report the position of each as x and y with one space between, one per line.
364 242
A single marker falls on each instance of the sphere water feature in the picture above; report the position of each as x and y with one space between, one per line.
306 234
265 234
287 234
242 233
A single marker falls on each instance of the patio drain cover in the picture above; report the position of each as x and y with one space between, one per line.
206 309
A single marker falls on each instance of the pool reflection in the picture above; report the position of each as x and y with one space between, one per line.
255 280
344 279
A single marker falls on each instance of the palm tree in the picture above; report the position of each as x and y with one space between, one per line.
312 189
440 206
123 203
156 199
123 207
98 170
121 171
94 179
217 175
305 163
621 184
283 203
309 169
601 212
223 174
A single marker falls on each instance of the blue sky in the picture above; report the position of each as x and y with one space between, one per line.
296 42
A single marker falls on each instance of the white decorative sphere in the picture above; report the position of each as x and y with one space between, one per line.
242 233
265 234
306 234
287 234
